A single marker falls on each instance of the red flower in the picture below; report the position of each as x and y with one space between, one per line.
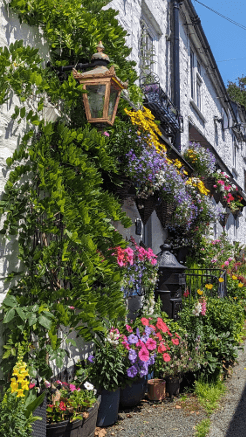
128 328
166 357
186 293
31 385
158 335
175 341
162 348
153 327
144 321
161 325
62 406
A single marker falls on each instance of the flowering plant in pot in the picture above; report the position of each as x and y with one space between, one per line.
201 159
140 268
106 370
72 409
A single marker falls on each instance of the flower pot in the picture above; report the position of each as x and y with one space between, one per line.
39 427
209 183
109 407
56 429
217 196
146 207
173 386
78 428
156 389
223 218
89 424
131 395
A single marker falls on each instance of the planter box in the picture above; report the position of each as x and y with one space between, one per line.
78 428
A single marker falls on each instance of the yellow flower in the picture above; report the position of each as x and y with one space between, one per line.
20 393
234 277
199 291
25 385
14 385
235 297
240 284
221 280
209 286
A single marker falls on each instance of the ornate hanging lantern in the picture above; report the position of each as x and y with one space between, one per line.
103 89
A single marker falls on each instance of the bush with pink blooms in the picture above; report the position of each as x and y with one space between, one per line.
68 401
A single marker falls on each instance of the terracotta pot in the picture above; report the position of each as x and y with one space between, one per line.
156 389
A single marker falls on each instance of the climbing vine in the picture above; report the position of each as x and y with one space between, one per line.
55 203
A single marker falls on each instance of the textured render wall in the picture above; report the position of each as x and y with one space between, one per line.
222 140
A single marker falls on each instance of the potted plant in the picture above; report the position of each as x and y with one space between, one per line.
106 371
140 344
72 410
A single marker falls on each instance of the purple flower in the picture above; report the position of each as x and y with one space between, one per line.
132 371
132 339
132 355
138 333
91 358
148 331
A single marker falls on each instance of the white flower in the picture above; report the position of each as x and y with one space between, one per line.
197 309
88 386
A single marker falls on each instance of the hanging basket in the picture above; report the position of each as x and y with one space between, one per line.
126 188
209 183
223 218
146 207
165 212
217 196
236 213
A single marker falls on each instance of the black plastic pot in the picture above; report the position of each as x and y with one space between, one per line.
131 395
109 407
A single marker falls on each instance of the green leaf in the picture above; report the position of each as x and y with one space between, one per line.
44 321
10 301
9 316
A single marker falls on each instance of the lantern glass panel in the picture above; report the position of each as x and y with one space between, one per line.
112 101
96 96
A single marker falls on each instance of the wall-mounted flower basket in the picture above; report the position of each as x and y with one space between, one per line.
223 218
146 207
217 196
165 211
236 213
209 183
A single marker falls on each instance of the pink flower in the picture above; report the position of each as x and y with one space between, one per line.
62 406
58 382
106 134
221 182
153 262
175 341
129 329
230 259
71 308
226 263
72 387
126 345
150 344
143 354
166 357
31 385
202 248
215 186
186 293
144 321
47 384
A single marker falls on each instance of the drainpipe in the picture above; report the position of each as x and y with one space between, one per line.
176 72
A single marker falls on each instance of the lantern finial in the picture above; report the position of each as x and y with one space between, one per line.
100 54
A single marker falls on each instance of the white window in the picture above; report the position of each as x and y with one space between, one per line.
225 121
148 43
199 93
234 152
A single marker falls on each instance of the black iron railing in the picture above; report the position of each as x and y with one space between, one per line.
163 109
197 279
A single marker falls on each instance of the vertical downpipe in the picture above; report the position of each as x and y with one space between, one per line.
176 69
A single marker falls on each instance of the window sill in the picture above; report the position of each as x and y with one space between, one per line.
194 105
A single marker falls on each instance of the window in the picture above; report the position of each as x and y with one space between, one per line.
192 64
148 45
225 121
146 50
234 152
199 68
198 93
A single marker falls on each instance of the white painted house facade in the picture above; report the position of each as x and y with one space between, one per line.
208 115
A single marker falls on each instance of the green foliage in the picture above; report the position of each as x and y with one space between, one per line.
219 332
237 90
55 204
202 428
108 369
13 420
209 394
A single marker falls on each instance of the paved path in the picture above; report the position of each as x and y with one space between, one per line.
230 419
